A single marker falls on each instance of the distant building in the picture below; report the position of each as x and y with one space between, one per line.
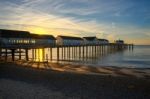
23 38
119 41
43 40
90 40
103 41
14 37
69 40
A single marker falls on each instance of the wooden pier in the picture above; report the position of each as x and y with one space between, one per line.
63 53
15 45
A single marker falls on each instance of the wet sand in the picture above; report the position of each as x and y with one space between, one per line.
24 80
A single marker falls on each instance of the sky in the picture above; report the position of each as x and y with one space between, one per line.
128 20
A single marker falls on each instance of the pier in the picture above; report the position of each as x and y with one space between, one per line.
64 53
76 49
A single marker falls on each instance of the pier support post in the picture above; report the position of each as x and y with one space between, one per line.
38 51
79 52
86 52
57 54
95 51
74 52
6 54
128 46
92 51
89 51
51 54
19 54
13 54
0 53
27 57
62 53
32 54
132 46
103 49
108 50
35 54
83 50
43 53
69 52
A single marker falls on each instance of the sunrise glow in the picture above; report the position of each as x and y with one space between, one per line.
122 19
37 30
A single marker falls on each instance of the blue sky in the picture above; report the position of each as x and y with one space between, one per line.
111 19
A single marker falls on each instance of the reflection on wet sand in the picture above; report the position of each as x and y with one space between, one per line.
84 69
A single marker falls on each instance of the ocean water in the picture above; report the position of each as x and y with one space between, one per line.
138 57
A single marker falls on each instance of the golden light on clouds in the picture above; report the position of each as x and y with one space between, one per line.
37 30
59 17
139 41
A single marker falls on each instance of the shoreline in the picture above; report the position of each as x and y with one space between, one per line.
65 81
88 69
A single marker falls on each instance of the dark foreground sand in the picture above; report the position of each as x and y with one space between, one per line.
73 82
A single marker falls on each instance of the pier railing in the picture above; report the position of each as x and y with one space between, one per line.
30 46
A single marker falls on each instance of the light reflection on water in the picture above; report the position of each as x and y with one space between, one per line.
139 57
39 55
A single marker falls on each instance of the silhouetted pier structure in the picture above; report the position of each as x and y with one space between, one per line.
18 43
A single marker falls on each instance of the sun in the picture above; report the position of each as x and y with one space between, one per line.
37 30
42 31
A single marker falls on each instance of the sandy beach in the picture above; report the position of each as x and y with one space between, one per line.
24 80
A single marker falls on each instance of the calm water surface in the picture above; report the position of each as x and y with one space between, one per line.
138 57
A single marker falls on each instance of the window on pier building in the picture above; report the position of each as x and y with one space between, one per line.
26 41
33 41
17 41
10 41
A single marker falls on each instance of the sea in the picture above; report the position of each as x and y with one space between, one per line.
139 57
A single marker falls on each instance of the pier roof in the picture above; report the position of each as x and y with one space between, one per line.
14 33
37 36
102 39
70 37
22 34
119 40
90 38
